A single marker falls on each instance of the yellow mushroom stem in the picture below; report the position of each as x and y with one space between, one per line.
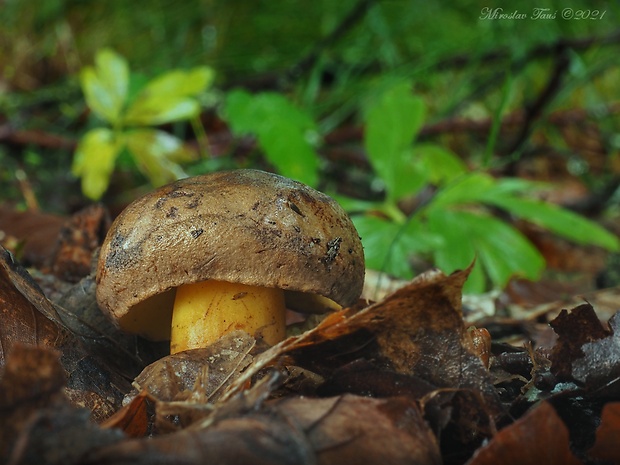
205 311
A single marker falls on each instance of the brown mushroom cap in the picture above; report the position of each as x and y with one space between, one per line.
241 226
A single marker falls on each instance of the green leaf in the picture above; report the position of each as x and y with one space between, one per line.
468 189
179 83
408 179
155 111
252 114
156 153
501 249
514 186
169 97
287 148
504 251
560 221
356 206
240 111
105 86
457 250
94 161
392 123
481 187
388 245
284 131
439 164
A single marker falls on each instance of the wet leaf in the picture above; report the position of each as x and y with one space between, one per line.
419 329
77 240
28 317
183 384
417 333
39 425
21 320
254 438
540 436
360 430
364 378
599 369
606 445
574 329
295 430
33 234
200 374
132 419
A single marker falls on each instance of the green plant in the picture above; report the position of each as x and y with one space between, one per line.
284 132
457 224
131 117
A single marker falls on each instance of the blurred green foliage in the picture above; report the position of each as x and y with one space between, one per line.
456 225
284 132
401 65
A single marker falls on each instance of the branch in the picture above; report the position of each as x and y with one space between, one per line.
546 96
274 79
35 137
538 52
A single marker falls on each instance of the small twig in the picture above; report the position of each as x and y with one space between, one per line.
534 110
511 121
541 51
594 203
26 189
536 53
273 79
35 137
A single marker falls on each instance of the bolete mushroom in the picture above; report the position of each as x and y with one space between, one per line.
210 254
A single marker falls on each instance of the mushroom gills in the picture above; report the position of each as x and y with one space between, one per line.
306 302
206 310
150 318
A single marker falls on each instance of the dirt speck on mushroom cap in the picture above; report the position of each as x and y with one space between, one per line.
244 226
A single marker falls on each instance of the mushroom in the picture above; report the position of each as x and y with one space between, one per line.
230 250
